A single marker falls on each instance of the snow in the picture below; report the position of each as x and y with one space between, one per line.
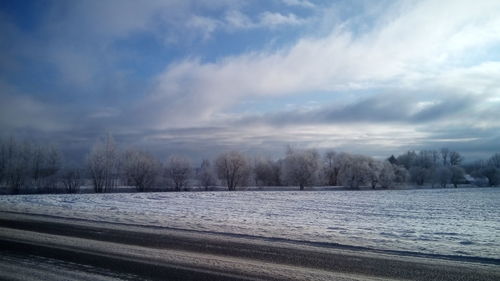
464 222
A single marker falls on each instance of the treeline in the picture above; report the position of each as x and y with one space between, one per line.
28 167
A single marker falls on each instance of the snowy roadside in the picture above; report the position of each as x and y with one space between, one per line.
157 253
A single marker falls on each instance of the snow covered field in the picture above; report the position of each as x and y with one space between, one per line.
463 222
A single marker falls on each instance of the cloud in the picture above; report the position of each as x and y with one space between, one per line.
405 74
22 112
236 20
275 19
300 3
408 46
205 25
112 19
411 108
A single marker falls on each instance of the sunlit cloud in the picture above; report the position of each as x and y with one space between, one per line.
403 74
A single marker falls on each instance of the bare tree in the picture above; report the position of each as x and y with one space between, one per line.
445 153
494 160
103 165
18 157
301 166
455 158
178 170
232 167
72 179
206 174
5 159
140 169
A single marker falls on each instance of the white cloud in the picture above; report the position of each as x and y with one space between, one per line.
274 19
238 20
410 44
300 3
203 24
235 20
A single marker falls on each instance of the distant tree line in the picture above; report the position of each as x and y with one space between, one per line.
29 167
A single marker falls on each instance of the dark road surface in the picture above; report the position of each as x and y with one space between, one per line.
36 247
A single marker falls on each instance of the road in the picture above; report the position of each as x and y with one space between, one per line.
35 247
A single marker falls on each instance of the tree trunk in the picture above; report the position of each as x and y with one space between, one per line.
301 186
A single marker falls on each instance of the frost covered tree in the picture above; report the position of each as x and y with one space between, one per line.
422 168
140 169
491 170
71 178
206 174
418 174
487 169
457 175
331 167
46 162
103 165
482 170
262 172
232 168
426 165
494 160
407 160
401 174
3 161
28 164
375 168
178 170
38 159
445 153
492 174
444 175
432 168
17 159
387 175
355 171
267 172
300 167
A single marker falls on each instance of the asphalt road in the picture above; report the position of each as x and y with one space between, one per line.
37 247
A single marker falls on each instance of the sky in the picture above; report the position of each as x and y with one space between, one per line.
201 77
